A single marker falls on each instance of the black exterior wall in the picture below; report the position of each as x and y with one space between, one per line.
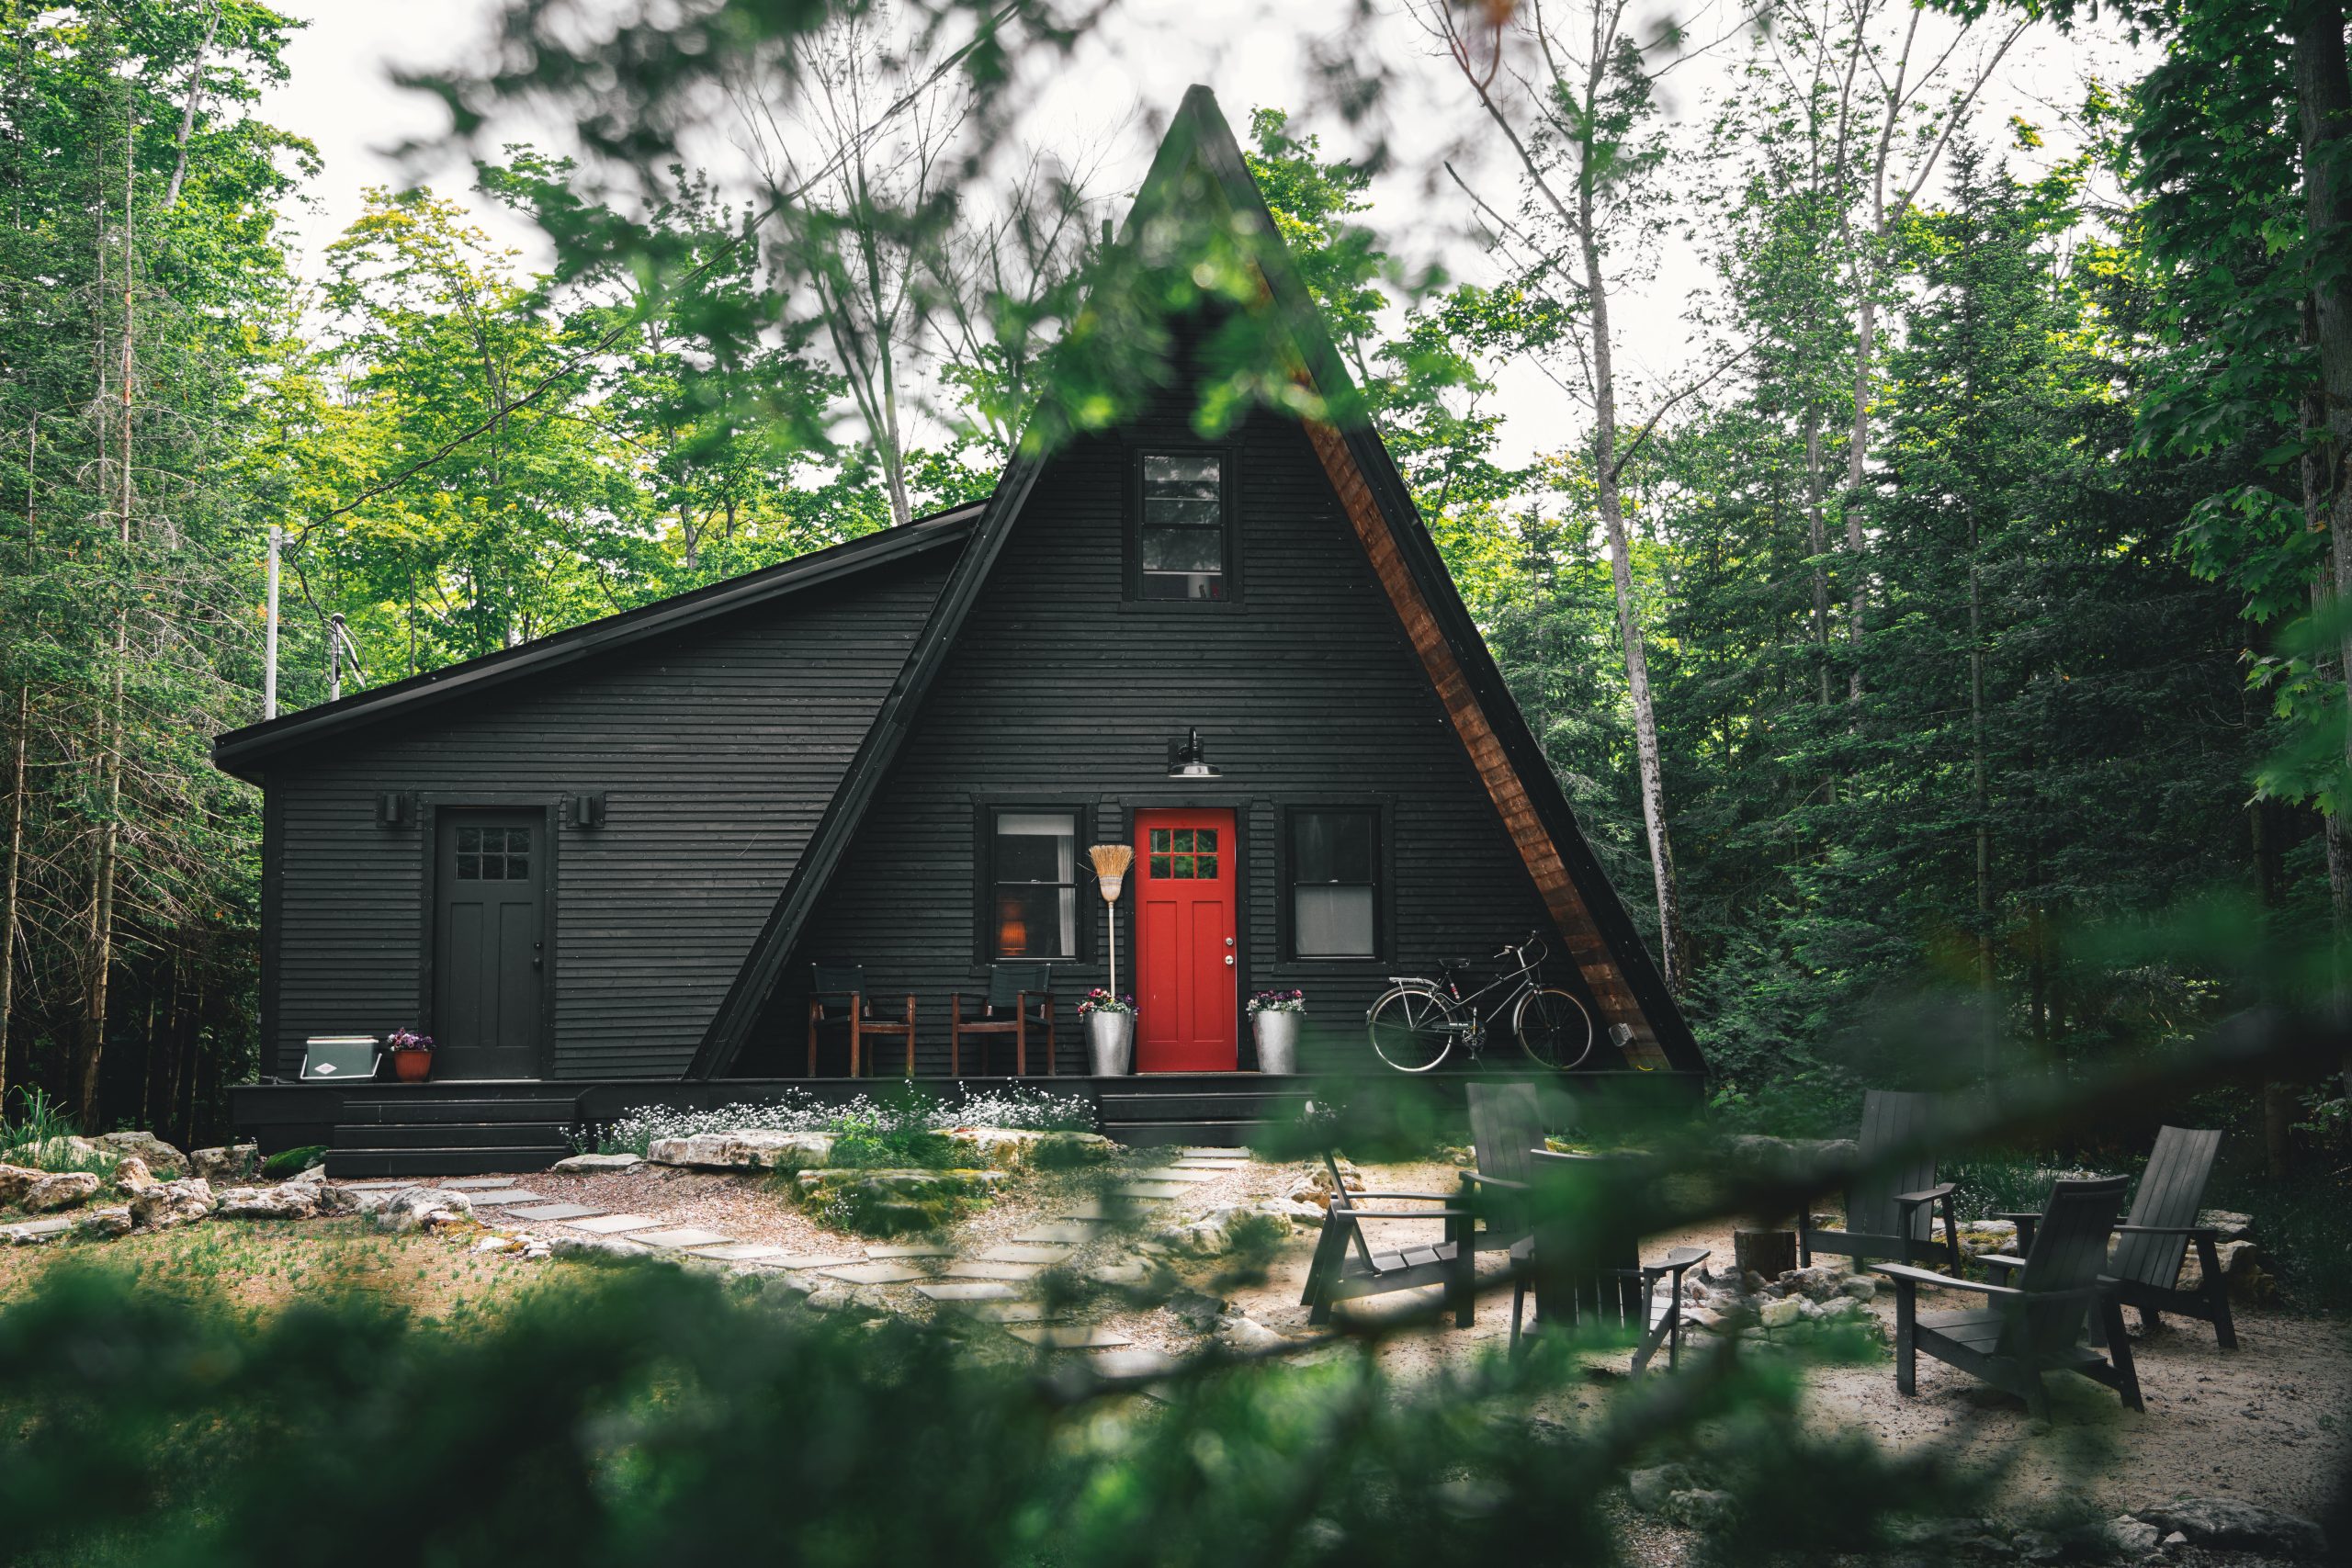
1062 690
716 748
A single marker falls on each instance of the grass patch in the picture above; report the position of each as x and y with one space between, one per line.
40 1135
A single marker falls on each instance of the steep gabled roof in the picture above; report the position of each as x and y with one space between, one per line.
245 752
1591 920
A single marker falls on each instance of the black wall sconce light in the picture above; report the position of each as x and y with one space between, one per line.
588 810
1188 759
395 809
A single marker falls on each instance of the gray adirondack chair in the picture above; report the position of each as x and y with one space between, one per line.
839 999
1603 1275
2152 1244
1020 1001
1890 1205
1345 1267
1505 1125
2036 1325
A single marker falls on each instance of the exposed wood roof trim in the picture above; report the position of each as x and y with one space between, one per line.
242 752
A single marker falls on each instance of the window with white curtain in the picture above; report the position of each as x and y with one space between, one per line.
1033 878
1334 882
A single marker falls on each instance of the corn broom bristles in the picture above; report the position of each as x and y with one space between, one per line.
1112 860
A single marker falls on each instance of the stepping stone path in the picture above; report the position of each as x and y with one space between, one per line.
30 1231
984 1285
612 1224
682 1237
966 1291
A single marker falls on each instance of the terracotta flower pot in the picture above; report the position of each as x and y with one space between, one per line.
411 1066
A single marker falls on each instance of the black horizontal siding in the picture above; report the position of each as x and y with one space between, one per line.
716 751
1305 691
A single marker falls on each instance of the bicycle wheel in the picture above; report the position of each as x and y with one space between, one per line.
1410 1027
1553 1027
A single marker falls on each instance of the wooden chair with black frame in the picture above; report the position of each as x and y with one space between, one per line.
2036 1325
1893 1196
2153 1240
839 1000
1506 1123
1345 1267
1580 1265
1020 998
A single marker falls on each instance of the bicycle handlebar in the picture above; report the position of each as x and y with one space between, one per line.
1524 943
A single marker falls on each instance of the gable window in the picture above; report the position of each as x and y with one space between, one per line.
1182 550
1033 883
1334 876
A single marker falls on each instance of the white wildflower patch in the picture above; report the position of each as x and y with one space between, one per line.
797 1111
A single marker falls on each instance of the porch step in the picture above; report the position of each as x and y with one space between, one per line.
455 1134
1226 1113
441 1162
409 1111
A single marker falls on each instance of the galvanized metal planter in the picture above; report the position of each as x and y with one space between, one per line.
1276 1033
1111 1043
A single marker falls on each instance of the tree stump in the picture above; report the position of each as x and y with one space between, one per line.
1768 1253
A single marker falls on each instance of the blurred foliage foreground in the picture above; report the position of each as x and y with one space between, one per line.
641 1413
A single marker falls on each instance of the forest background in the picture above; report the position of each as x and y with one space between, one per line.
1959 612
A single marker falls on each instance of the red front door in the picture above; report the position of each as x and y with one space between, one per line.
1184 936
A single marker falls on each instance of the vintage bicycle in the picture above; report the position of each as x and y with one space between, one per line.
1418 1022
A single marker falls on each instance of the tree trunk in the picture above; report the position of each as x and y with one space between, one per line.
1621 573
2324 92
1983 802
1817 535
16 868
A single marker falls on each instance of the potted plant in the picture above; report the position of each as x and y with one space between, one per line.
411 1055
1110 1032
1273 1023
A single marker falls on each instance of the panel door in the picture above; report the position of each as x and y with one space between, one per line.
1186 957
489 954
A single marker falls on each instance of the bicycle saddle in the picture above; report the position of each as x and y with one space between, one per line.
1453 965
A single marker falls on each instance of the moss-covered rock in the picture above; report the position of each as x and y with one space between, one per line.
891 1202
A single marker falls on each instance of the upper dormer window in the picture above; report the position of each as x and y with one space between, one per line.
1183 540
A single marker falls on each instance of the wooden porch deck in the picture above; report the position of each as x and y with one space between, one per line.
467 1127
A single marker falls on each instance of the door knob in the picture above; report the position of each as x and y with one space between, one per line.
1228 961
1229 941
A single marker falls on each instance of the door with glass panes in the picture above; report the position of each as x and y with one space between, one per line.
489 955
1186 960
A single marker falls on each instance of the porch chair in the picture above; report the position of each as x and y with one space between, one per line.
2036 1325
1345 1267
1601 1272
1506 1123
1020 998
1890 1203
838 999
2144 1271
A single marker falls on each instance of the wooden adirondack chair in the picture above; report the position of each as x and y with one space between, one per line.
2037 1324
1506 1124
1603 1275
838 999
1890 1207
2144 1271
1345 1266
1020 998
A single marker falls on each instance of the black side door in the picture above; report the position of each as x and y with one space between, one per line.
489 926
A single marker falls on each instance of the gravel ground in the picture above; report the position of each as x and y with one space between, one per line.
2270 1422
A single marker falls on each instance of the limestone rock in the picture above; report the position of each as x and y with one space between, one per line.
1315 1186
1295 1212
758 1149
1820 1282
1650 1488
1781 1313
240 1162
2231 1226
1860 1287
168 1203
582 1164
2133 1537
1247 1334
2231 1523
65 1190
1214 1233
64 1149
1980 1236
112 1220
1010 1148
1701 1508
160 1157
600 1248
289 1202
15 1181
132 1173
416 1208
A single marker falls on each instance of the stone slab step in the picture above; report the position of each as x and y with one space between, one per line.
909 1249
1153 1191
612 1224
1178 1173
975 1268
816 1260
742 1252
478 1183
1013 1252
1062 1232
879 1273
555 1212
681 1237
959 1291
500 1197
441 1162
26 1231
1060 1337
1136 1364
1013 1312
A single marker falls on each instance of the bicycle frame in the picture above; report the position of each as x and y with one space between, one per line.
1526 976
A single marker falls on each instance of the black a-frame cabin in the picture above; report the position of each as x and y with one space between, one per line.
598 867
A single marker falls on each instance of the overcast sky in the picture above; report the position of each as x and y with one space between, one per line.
1138 63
